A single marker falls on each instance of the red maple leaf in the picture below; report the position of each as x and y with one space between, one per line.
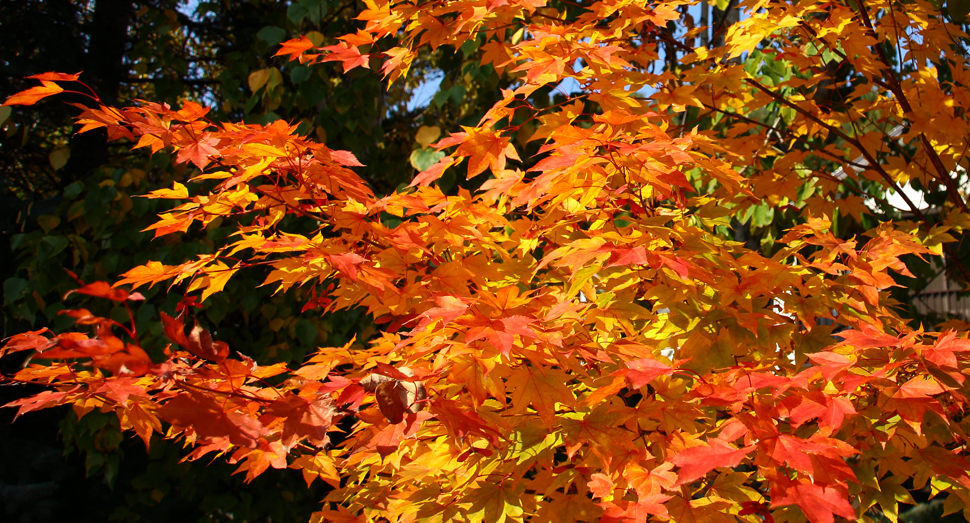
305 417
210 419
347 263
695 462
644 370
347 54
101 289
119 389
637 511
387 439
48 398
30 340
818 503
499 332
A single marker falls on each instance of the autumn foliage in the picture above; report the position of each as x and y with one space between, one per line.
578 337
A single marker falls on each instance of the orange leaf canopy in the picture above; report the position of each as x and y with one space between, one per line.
576 334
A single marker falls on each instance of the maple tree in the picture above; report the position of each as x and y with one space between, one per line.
84 215
575 335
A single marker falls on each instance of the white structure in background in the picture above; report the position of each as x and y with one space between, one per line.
940 296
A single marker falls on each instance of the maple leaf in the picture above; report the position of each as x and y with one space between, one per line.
485 149
341 515
831 412
462 422
347 263
345 158
198 152
30 340
820 504
542 389
143 422
600 485
34 94
448 310
386 439
43 400
209 419
644 371
699 510
433 173
305 418
258 460
499 332
119 389
346 54
101 289
637 511
494 501
294 47
869 337
200 343
178 191
399 63
696 462
56 77
174 329
315 466
947 463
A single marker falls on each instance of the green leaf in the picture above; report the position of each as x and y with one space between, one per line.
296 13
317 9
763 215
73 190
306 332
422 159
14 289
51 246
581 277
299 74
271 34
457 94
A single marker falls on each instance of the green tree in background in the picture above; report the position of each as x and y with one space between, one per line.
67 203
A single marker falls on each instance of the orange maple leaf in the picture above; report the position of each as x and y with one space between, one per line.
34 94
347 54
294 47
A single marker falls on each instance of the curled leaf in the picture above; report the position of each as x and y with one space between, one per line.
175 330
30 340
390 401
201 344
102 289
56 77
371 382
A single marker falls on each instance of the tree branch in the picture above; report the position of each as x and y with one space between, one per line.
897 90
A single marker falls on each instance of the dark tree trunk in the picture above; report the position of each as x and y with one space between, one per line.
105 70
